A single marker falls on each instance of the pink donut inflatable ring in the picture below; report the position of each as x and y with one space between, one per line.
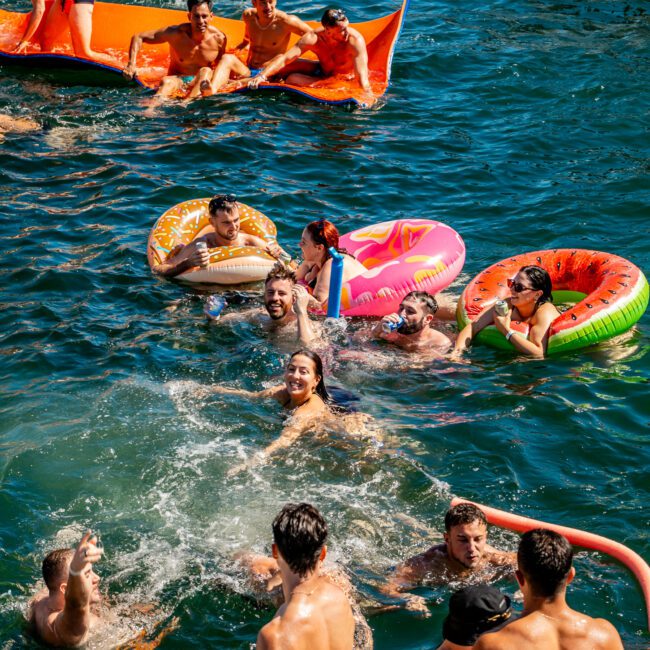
401 256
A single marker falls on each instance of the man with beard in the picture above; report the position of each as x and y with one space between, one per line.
464 555
285 306
224 219
410 328
61 613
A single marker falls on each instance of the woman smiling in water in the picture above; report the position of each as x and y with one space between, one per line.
529 302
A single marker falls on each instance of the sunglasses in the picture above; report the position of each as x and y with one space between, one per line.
517 286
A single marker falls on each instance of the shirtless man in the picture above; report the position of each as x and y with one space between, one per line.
225 223
194 47
316 614
416 333
544 569
464 553
61 613
267 34
340 49
285 305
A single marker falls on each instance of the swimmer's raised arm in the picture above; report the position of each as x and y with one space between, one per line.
152 37
306 334
305 44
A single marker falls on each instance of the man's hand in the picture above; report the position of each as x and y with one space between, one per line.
391 318
300 299
85 556
130 72
199 257
21 47
274 249
256 81
417 604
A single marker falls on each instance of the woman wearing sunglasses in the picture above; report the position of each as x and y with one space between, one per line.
316 269
529 302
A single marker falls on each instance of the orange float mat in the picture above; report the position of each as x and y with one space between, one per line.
629 558
115 24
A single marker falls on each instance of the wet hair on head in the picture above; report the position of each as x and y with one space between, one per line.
325 233
545 558
464 513
222 203
429 302
332 17
539 280
299 531
321 391
55 567
281 271
195 3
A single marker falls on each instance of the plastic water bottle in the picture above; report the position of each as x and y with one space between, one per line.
284 257
391 327
214 306
202 246
501 307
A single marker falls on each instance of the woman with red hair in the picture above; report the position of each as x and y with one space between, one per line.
316 269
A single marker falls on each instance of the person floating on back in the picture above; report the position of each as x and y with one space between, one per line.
341 50
544 569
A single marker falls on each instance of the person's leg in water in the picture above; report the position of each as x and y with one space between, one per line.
229 66
169 86
195 87
81 29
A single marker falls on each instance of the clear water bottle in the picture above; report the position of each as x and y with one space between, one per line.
214 306
284 257
501 307
389 327
202 246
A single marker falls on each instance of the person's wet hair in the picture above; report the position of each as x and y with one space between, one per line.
299 531
464 513
539 280
281 271
324 233
55 567
321 391
428 301
545 558
195 3
222 203
333 17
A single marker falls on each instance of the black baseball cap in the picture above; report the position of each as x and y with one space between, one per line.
474 610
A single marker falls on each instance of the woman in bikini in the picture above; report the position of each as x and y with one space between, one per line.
530 302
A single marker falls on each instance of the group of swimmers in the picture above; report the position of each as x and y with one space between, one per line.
199 63
317 607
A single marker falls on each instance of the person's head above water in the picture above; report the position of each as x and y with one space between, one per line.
278 291
196 3
317 238
223 212
545 562
56 571
472 611
304 376
299 535
417 309
466 534
531 284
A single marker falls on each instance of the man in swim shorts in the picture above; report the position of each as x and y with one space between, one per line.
195 48
341 50
317 612
226 231
78 16
544 569
62 613
464 554
416 333
267 34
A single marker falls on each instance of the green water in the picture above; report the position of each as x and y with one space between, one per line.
523 125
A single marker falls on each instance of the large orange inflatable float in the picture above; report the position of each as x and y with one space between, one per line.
186 221
623 554
610 295
115 24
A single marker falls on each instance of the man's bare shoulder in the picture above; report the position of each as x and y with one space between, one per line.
216 35
430 558
356 38
518 635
